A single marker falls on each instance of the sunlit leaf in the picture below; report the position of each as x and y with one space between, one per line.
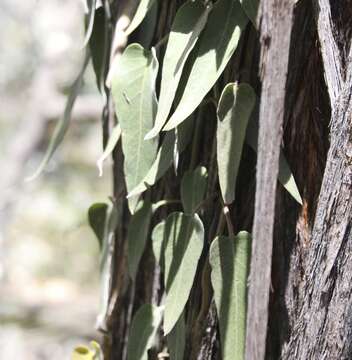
97 214
144 327
250 7
165 156
229 260
62 126
285 175
186 28
142 10
234 110
176 340
110 146
137 235
193 188
215 47
133 89
178 251
158 243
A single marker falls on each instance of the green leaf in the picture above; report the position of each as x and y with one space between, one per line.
62 126
229 260
285 175
98 44
147 27
97 215
142 10
110 146
181 247
91 14
133 89
137 236
250 7
216 46
106 264
189 21
158 244
234 110
144 328
193 188
176 340
165 157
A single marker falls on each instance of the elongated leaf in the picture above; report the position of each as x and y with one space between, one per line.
97 215
165 156
229 260
234 110
147 27
133 89
186 28
91 13
285 175
250 7
142 9
181 247
176 340
144 327
193 188
216 46
98 44
137 236
62 125
106 264
113 140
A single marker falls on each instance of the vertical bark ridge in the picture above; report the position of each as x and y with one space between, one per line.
275 32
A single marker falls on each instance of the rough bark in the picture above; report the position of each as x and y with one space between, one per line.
275 33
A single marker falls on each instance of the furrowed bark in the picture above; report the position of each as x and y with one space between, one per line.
324 326
275 31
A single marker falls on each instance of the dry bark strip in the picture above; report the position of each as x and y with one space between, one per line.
329 49
275 20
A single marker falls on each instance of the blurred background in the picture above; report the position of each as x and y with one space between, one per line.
49 257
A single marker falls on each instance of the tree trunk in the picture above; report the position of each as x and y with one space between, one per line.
310 293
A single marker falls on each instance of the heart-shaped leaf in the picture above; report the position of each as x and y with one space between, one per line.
229 260
234 110
133 89
178 251
215 47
